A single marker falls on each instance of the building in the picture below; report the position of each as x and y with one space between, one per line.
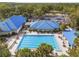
12 24
46 25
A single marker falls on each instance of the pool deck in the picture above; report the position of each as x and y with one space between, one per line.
13 46
60 42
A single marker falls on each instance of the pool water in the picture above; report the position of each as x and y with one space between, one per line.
34 41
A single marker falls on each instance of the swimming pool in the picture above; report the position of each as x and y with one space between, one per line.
33 41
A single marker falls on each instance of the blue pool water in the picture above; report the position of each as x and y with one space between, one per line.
33 41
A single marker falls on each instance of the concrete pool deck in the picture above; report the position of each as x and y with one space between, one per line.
13 49
60 42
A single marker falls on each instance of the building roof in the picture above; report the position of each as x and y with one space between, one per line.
17 20
70 36
44 25
12 23
4 27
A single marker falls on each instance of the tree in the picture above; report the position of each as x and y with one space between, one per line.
23 52
2 40
77 23
76 42
5 10
4 51
74 51
44 50
38 11
62 27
